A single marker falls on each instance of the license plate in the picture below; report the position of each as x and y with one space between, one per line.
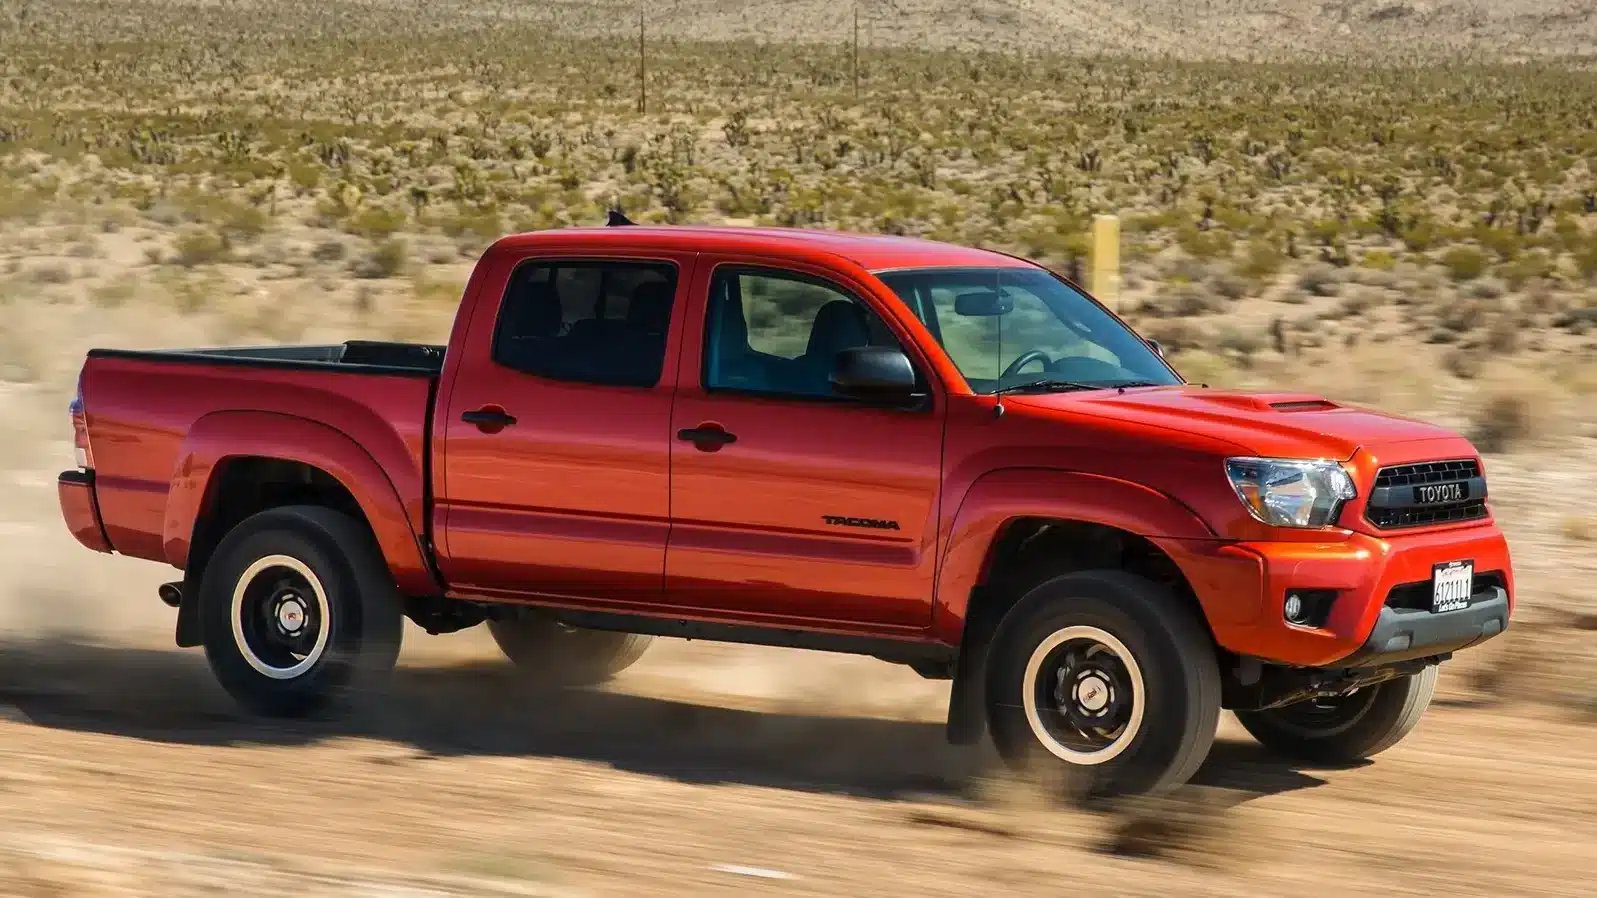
1451 585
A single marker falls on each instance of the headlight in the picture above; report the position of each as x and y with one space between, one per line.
1290 493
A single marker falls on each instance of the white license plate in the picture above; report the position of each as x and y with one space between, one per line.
1451 584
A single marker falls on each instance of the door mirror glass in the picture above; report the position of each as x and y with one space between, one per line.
874 373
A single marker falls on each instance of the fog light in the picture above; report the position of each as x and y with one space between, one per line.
1294 608
1308 607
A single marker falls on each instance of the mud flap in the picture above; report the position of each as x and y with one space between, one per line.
188 614
967 699
967 712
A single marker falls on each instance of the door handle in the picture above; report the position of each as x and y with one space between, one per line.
707 437
489 419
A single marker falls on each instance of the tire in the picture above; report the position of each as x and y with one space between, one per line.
299 612
554 654
1159 684
1346 728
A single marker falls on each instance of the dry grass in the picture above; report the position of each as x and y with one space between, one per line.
1283 213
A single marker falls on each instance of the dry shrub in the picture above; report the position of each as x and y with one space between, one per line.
1320 280
1395 378
1514 412
1175 335
1200 367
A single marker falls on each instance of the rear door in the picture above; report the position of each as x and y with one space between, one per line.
791 503
556 446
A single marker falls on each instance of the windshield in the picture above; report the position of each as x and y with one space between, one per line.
1006 327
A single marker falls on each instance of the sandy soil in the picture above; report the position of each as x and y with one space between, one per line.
704 770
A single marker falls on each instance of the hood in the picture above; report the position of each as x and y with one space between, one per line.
1297 425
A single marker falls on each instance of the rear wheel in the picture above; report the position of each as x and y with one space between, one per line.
298 611
555 654
1107 678
1347 727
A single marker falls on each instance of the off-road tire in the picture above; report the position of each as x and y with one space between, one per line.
550 653
1340 732
362 617
1175 664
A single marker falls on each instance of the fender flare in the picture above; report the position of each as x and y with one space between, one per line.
998 497
220 436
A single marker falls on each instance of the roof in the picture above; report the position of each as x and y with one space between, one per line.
874 252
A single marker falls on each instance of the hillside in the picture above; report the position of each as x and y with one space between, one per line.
1295 30
1190 29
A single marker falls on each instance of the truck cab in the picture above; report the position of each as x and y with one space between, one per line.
943 457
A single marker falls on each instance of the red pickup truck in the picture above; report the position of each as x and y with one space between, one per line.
947 458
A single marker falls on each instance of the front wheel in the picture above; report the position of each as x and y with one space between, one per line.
1106 677
1345 728
298 610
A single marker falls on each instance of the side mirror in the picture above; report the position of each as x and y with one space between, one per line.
1154 345
983 304
874 373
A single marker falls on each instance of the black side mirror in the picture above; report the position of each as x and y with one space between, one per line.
1154 345
875 374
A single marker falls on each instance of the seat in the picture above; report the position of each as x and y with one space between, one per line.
647 323
839 325
531 327
731 362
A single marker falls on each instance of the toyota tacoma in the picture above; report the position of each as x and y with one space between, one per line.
943 457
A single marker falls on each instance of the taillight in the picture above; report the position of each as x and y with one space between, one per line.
80 432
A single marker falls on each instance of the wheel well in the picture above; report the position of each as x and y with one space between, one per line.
1029 550
246 485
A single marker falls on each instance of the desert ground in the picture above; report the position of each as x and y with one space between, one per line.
1392 203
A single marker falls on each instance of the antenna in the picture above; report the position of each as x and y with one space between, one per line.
616 218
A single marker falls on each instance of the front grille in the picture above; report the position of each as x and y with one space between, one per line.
1417 596
1427 472
1437 492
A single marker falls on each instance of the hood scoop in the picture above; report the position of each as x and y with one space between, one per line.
1305 405
1273 402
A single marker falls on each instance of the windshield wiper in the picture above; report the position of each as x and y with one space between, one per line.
1128 384
1046 385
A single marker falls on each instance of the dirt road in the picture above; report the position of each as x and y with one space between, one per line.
713 770
704 770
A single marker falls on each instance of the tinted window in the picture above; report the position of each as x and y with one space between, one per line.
777 332
593 322
1008 326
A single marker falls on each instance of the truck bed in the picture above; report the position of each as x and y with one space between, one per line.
141 409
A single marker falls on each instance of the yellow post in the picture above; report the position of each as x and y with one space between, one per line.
1105 283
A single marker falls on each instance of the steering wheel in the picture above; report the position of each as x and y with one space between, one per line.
1024 359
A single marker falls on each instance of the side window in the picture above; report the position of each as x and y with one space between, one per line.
778 332
589 322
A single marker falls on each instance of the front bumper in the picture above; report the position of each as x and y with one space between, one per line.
1243 586
1404 634
80 509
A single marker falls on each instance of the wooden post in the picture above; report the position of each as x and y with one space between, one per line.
1105 283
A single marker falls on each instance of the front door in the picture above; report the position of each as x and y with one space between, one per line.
557 437
790 503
